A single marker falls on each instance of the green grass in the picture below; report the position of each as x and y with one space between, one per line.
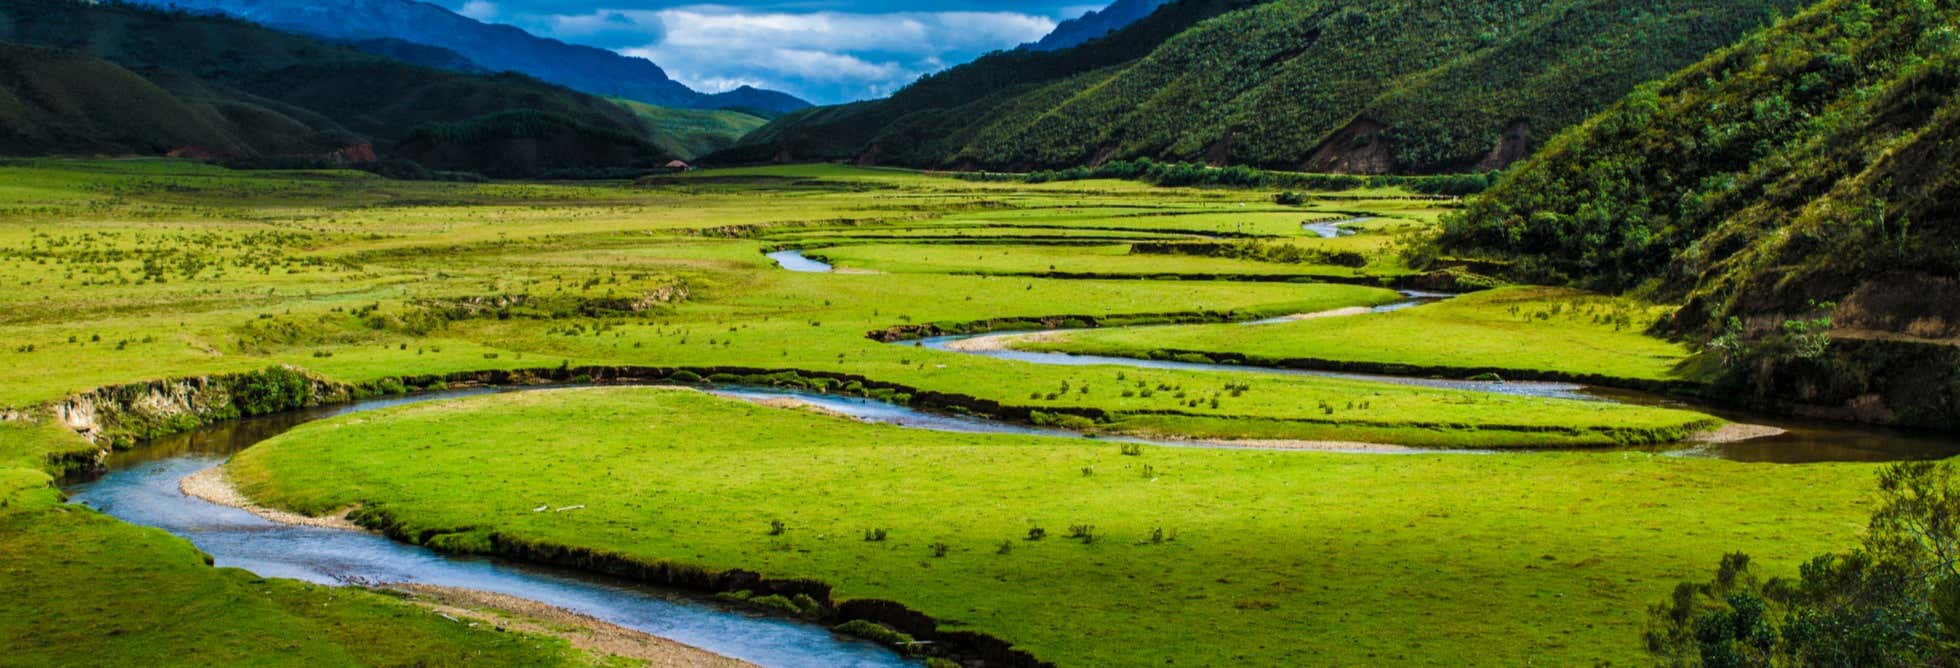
83 587
691 133
1535 330
1038 259
192 270
126 271
1270 558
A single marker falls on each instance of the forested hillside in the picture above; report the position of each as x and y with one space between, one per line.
136 80
1803 181
1316 85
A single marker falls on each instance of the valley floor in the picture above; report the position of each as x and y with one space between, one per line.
124 272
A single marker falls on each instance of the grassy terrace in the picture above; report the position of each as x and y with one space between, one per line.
1265 558
127 271
1564 333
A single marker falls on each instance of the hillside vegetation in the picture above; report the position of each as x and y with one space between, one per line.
1801 180
1313 85
691 133
133 80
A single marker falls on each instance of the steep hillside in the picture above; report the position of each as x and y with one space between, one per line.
419 54
254 92
496 47
845 131
1315 85
62 101
1809 172
1095 25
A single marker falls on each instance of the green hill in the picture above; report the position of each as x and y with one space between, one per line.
1808 172
52 98
691 133
1315 85
149 81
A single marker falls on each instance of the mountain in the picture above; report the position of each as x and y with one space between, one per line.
419 54
751 99
1311 85
846 131
125 79
1798 192
1095 25
52 99
691 133
496 47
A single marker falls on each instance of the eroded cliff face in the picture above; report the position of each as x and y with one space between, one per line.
121 415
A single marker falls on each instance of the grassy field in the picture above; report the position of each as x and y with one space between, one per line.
1265 558
81 587
1534 330
159 269
125 271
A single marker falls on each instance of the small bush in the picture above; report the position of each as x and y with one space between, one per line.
875 632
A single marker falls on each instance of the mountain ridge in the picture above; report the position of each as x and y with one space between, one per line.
1301 85
496 47
1095 25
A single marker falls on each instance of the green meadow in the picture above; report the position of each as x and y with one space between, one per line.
1531 330
129 271
1180 556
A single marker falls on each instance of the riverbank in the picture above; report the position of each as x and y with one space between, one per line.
509 613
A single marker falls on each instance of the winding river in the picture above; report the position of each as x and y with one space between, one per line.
142 487
1803 441
795 260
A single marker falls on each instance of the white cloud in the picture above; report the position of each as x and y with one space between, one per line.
481 10
826 54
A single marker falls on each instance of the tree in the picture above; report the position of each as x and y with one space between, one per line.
1894 600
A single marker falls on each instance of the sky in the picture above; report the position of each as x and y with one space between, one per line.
824 52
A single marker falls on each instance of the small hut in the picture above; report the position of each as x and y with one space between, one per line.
679 166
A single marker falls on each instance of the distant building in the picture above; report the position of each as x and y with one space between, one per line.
679 166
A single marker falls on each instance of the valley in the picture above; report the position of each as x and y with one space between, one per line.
1167 332
351 286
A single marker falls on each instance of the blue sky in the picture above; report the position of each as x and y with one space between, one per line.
825 52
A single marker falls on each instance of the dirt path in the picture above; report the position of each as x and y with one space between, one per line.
592 635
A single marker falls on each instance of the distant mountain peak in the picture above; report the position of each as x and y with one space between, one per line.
495 47
1095 25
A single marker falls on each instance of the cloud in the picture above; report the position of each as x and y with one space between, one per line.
481 10
827 56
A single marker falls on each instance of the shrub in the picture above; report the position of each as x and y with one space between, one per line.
875 632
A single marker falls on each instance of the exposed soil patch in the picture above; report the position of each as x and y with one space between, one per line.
1336 313
1360 148
1736 432
1323 446
214 486
592 635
